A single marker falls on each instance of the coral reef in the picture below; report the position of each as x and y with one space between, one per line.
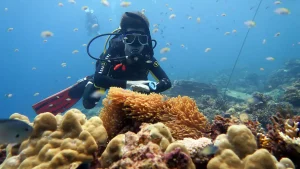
58 142
191 88
260 107
180 114
287 75
211 106
238 150
195 147
221 124
151 147
281 137
292 94
135 130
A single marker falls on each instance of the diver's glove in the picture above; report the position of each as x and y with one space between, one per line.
139 82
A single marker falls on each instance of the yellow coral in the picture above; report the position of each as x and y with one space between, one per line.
242 139
113 151
294 142
122 144
264 141
159 134
260 159
238 151
180 114
60 144
291 131
226 160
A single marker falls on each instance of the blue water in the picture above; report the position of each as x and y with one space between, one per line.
30 18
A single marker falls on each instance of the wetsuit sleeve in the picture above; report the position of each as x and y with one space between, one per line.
102 78
159 74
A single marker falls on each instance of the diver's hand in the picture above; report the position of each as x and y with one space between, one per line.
140 88
130 83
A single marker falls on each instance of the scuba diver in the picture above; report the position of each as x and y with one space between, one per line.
126 64
91 23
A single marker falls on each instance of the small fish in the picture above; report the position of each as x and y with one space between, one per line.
282 11
209 150
10 29
207 50
172 16
165 50
264 41
95 25
149 61
250 24
270 58
72 1
277 2
163 59
14 131
84 8
277 34
47 34
105 2
75 51
155 30
8 95
125 4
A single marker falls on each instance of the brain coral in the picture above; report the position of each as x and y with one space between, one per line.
59 142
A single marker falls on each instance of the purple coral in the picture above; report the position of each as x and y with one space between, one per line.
2 155
176 158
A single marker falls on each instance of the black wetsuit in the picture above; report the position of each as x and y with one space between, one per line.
105 76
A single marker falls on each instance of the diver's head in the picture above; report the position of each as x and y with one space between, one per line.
135 41
136 36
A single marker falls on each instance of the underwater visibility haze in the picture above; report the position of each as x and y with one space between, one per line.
234 66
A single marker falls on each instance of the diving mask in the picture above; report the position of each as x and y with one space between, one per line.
131 39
